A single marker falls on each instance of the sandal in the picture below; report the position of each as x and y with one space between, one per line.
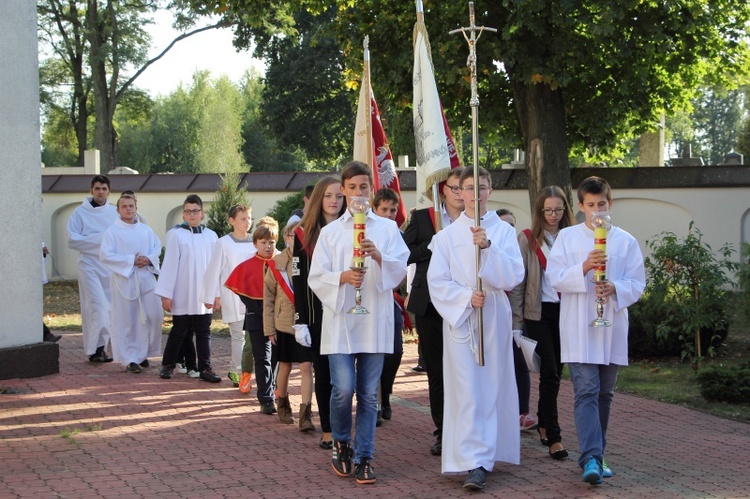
560 453
542 439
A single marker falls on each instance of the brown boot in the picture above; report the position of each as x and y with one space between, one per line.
285 410
305 418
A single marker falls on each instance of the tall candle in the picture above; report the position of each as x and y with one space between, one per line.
600 243
359 234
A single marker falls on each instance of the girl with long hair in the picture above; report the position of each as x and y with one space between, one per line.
326 205
537 306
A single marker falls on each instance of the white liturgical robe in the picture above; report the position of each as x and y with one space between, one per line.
184 267
86 227
579 342
136 311
226 255
344 333
480 420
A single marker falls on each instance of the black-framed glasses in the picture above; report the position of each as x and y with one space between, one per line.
551 211
454 188
191 212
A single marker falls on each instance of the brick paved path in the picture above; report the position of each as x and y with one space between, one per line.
98 431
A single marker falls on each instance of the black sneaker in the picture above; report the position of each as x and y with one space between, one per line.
268 408
364 472
477 479
379 421
144 363
133 368
342 458
209 375
166 372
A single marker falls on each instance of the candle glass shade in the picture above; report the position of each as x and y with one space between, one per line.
601 221
358 206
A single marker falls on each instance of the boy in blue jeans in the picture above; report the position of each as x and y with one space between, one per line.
593 354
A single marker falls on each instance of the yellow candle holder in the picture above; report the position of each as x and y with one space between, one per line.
358 206
601 221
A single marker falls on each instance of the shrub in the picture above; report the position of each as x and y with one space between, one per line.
726 383
743 278
683 306
229 194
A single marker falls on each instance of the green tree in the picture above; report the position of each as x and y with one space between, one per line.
102 46
305 101
194 129
559 76
262 150
229 194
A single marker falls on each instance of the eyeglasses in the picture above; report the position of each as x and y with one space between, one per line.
482 188
550 211
454 188
191 212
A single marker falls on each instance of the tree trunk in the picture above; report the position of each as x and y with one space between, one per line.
105 99
541 113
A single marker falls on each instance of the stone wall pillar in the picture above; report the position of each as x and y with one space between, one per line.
22 352
652 146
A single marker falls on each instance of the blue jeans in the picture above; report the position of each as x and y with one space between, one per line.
594 387
358 372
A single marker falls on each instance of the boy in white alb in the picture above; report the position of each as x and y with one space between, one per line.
86 227
186 258
130 251
593 354
355 344
480 421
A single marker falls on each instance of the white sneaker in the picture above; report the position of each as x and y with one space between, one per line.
193 374
180 368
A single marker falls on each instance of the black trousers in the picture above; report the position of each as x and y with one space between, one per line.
430 333
264 355
546 332
392 361
182 325
523 379
322 379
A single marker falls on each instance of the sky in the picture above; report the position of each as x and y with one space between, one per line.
211 50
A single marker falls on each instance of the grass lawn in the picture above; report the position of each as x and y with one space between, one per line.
669 380
664 379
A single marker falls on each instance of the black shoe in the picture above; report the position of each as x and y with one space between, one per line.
166 372
379 421
208 375
477 479
437 449
268 408
144 363
418 369
364 472
342 458
387 412
51 338
100 358
133 368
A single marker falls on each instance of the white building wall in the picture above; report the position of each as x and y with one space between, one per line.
722 214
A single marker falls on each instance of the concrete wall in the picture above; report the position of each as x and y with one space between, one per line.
20 182
722 214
